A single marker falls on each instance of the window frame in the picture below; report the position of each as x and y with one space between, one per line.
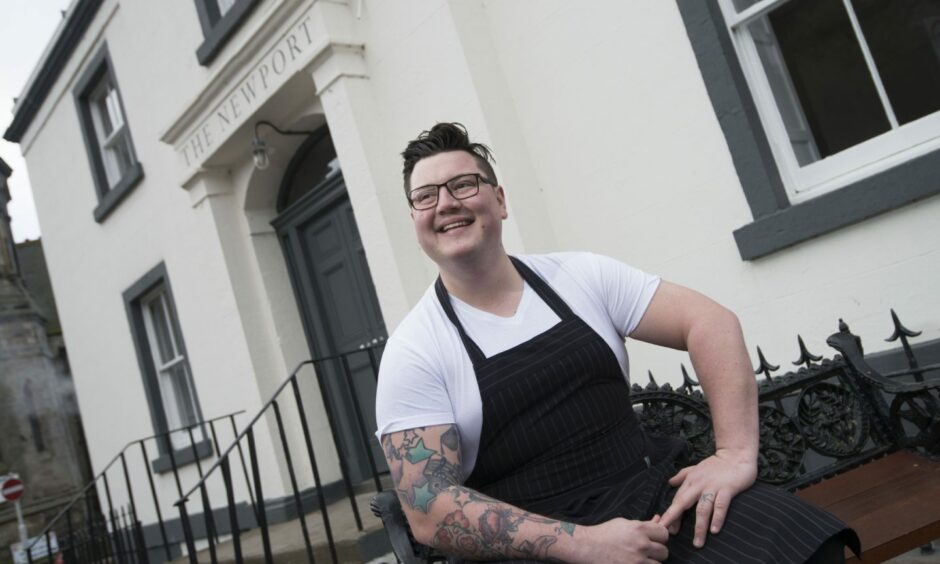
100 69
778 222
218 28
897 145
135 299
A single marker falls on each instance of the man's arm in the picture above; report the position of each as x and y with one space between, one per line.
683 319
424 464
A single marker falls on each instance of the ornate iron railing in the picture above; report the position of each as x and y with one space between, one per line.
86 532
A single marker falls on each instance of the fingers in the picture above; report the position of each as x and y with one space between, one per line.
654 531
658 552
677 480
722 502
703 516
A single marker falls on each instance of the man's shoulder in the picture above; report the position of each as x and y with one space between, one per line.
420 321
573 264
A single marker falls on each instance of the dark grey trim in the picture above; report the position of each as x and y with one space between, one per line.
892 360
5 170
777 224
155 277
115 195
909 182
182 457
217 31
78 22
99 67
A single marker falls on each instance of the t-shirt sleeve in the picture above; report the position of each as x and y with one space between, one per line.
626 292
411 391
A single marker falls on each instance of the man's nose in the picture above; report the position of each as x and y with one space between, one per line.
445 200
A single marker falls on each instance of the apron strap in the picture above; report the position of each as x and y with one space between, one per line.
476 355
542 289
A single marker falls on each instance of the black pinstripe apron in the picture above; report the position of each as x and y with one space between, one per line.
560 439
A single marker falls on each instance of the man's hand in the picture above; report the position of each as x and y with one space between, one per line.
710 486
620 540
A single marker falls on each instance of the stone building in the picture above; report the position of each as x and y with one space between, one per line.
40 429
704 140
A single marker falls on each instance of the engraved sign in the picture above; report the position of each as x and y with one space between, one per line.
289 54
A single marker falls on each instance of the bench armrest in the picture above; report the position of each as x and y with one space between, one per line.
386 506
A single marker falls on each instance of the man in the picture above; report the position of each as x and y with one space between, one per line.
503 405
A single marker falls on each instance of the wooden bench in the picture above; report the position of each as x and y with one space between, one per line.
861 444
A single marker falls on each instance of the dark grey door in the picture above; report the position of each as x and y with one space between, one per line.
340 313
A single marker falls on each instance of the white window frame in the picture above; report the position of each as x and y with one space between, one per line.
902 143
165 369
110 142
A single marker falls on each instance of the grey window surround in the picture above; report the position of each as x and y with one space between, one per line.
181 456
157 276
218 30
108 198
778 224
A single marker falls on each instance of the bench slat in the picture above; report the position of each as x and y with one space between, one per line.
893 503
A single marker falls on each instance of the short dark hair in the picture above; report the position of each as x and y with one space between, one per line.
442 138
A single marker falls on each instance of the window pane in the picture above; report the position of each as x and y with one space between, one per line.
161 330
101 110
824 73
178 381
114 108
118 154
904 39
319 164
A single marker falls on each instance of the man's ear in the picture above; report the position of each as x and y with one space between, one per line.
501 198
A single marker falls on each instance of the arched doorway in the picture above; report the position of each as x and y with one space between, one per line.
334 292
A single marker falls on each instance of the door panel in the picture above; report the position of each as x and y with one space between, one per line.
340 311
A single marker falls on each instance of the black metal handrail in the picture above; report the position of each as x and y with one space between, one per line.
119 536
222 464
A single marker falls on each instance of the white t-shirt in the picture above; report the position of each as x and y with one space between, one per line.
426 377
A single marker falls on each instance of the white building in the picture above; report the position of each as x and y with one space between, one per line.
779 157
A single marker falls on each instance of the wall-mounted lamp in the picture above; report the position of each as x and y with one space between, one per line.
260 152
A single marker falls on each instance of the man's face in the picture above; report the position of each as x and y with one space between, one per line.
457 230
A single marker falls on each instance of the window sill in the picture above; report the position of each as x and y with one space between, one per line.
183 456
906 183
114 196
223 30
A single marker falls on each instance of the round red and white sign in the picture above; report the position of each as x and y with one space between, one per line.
12 489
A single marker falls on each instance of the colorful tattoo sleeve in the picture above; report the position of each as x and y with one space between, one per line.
425 467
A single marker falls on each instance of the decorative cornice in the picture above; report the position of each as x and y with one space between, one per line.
76 24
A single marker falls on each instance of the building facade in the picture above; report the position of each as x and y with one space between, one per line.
198 255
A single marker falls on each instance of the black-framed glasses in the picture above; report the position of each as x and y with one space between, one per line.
460 187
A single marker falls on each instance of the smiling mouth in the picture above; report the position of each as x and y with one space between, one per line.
454 225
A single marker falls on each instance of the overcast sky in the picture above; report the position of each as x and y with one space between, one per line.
25 29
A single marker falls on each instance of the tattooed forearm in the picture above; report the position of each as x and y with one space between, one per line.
425 467
497 530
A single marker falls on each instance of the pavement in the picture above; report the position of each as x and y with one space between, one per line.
287 541
917 557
